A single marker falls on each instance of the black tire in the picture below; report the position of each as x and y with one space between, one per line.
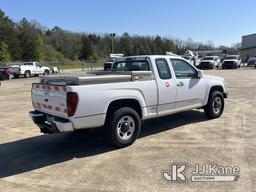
16 76
46 72
118 121
27 74
210 109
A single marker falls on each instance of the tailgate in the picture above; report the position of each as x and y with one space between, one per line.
50 99
14 70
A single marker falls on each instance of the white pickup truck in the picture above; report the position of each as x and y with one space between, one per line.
28 69
137 88
231 61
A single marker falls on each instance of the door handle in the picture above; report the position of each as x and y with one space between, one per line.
180 84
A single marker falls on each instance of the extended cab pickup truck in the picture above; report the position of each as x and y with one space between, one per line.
137 88
28 69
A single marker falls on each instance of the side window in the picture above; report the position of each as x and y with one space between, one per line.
163 69
183 69
37 65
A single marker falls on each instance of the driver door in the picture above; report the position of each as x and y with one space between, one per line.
39 69
190 88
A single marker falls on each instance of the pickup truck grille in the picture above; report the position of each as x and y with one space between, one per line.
229 63
204 65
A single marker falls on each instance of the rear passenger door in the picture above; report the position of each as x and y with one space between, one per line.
166 87
190 88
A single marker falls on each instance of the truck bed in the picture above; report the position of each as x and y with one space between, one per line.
97 77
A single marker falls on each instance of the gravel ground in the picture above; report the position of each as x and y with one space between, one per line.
30 161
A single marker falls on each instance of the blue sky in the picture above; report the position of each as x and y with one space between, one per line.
220 21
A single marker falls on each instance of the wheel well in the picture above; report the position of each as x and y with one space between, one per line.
28 71
218 88
117 104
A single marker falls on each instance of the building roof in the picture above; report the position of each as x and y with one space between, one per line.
249 35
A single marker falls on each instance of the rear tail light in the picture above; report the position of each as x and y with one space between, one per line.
72 101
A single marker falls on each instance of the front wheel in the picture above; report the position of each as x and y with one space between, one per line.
123 127
215 105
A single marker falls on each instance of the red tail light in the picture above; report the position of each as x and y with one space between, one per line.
72 101
8 72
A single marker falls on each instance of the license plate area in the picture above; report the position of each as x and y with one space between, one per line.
49 119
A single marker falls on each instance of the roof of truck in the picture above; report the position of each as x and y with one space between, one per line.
143 57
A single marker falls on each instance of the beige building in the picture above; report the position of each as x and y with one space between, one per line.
248 48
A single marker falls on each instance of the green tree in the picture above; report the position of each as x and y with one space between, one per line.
8 35
4 54
86 48
29 40
40 52
126 44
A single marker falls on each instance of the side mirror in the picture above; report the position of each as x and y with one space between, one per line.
200 73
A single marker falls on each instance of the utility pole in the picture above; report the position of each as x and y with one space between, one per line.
112 35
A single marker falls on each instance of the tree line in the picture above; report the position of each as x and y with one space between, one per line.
29 40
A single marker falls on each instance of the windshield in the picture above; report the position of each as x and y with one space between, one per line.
230 57
131 66
208 58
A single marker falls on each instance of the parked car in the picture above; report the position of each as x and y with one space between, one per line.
29 69
210 62
108 65
251 61
4 73
231 61
120 100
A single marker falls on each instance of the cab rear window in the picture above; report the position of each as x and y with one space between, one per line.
131 66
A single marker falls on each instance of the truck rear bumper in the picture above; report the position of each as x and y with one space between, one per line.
50 124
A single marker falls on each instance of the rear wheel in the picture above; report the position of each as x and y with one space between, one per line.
215 105
46 72
27 74
123 127
16 76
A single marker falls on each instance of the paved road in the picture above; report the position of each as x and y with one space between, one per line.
30 161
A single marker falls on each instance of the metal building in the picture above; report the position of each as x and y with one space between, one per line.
248 48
